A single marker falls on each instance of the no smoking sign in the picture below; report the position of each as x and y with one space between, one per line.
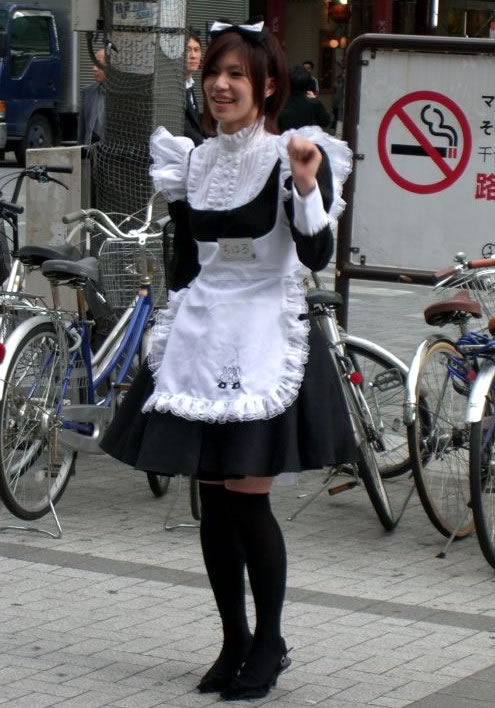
424 142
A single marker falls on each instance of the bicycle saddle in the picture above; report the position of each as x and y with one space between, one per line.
440 313
36 255
319 296
74 273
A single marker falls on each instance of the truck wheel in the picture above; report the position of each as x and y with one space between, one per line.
39 134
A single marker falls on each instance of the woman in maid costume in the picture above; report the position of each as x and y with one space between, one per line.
238 386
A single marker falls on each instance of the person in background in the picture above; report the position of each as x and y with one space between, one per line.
299 109
238 385
92 110
314 87
192 119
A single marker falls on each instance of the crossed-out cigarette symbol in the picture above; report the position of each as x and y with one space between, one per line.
434 119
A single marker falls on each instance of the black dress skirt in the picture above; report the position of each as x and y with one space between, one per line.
312 433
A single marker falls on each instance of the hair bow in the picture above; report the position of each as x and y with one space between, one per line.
255 33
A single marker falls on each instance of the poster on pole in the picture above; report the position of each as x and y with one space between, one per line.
424 184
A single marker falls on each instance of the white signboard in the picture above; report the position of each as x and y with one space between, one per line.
426 186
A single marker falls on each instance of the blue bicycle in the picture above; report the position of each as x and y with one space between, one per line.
57 396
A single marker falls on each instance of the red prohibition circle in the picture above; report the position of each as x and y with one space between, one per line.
395 111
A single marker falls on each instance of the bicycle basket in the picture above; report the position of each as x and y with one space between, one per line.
119 271
479 284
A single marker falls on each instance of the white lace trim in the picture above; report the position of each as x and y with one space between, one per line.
340 157
246 137
231 170
283 393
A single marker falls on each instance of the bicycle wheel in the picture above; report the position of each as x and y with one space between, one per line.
440 449
34 467
482 477
159 483
383 388
370 474
367 463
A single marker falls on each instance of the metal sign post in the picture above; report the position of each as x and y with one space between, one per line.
420 119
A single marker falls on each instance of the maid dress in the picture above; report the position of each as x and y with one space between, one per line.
238 381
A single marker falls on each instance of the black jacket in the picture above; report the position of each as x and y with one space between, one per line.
192 118
301 110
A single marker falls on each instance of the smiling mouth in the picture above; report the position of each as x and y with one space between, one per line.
222 101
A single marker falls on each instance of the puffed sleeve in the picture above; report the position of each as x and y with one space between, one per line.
313 217
170 156
340 165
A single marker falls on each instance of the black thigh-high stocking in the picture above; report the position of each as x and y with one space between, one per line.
224 560
266 562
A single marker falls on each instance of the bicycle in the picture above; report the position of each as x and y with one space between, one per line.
56 396
450 375
373 382
16 261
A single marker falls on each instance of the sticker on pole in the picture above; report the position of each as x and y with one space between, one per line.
424 142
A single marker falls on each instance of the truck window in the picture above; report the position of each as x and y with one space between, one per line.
30 37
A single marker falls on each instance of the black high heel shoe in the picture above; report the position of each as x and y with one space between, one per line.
258 675
224 670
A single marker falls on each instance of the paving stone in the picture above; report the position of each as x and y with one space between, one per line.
122 613
36 700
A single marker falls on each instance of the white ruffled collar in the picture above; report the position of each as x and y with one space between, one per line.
246 137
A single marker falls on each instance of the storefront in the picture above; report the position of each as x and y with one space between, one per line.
320 30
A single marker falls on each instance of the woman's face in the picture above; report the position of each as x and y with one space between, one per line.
229 93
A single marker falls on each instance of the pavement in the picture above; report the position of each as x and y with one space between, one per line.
118 612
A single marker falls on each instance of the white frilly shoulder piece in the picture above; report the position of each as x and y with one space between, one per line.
170 155
339 155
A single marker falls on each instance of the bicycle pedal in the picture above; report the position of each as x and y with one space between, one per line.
387 380
342 488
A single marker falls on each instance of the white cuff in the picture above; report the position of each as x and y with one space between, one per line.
310 216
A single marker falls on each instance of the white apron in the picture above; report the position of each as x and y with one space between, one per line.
232 347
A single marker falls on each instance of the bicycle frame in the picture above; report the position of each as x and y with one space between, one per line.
83 424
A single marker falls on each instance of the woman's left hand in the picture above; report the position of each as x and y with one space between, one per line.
304 159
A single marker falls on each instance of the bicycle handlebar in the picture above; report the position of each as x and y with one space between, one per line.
59 168
11 208
75 216
476 264
445 273
107 225
481 263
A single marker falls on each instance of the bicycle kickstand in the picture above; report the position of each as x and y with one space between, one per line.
332 472
452 537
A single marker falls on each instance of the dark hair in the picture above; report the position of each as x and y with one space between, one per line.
193 33
300 80
308 61
261 61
